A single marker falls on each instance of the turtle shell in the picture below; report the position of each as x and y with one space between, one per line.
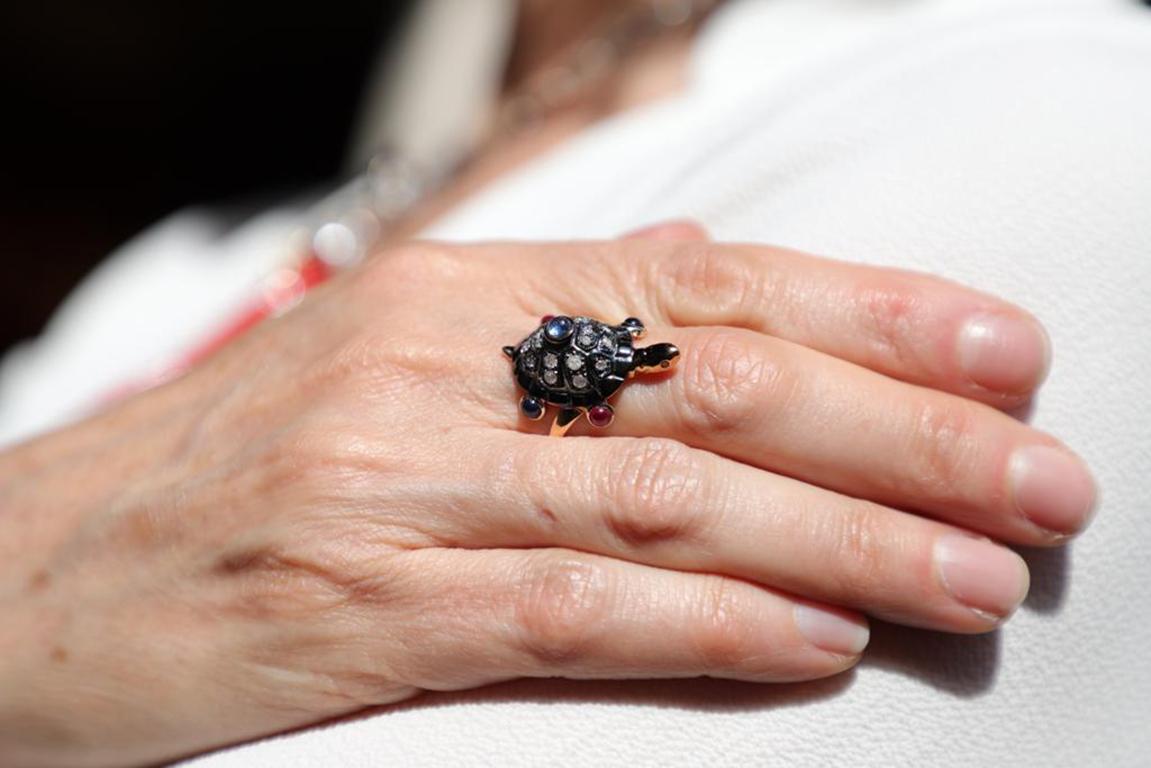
582 370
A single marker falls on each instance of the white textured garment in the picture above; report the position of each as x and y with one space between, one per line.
1004 143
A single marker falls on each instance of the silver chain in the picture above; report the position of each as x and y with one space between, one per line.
595 58
355 216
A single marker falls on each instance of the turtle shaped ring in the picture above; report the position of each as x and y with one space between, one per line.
577 363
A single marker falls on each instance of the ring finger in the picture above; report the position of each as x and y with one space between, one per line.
659 502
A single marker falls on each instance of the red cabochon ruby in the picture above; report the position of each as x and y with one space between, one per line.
600 415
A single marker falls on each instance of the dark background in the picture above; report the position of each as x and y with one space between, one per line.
114 113
117 112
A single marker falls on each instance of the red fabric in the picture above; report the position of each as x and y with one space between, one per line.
280 292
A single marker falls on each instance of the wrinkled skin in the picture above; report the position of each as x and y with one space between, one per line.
344 509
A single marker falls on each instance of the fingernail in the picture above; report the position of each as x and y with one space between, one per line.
834 631
670 230
1004 353
1052 488
989 579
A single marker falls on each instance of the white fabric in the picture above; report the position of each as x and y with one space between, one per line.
1004 143
161 294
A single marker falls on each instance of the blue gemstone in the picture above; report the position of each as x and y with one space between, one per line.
559 328
532 407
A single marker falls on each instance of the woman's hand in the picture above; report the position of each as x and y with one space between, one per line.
344 508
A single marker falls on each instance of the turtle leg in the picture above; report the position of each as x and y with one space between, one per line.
532 407
510 352
635 327
564 421
601 415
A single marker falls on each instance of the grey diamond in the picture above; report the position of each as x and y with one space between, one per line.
550 377
575 362
579 381
551 360
602 365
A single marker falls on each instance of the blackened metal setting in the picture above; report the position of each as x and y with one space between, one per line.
577 363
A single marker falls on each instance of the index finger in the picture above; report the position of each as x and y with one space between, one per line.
915 327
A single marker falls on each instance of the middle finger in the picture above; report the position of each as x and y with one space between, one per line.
784 407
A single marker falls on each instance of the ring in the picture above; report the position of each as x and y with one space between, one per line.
577 363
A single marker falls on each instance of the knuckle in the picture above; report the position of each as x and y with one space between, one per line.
724 635
374 357
890 320
327 474
320 466
297 461
410 265
559 603
656 489
730 383
859 544
943 449
725 279
382 366
363 351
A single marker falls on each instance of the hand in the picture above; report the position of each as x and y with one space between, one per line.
344 508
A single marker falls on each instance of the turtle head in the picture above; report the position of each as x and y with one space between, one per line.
656 358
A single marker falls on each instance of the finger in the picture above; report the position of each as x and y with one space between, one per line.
911 326
784 407
499 614
670 230
659 502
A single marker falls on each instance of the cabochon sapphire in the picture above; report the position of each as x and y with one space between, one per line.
532 407
559 328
